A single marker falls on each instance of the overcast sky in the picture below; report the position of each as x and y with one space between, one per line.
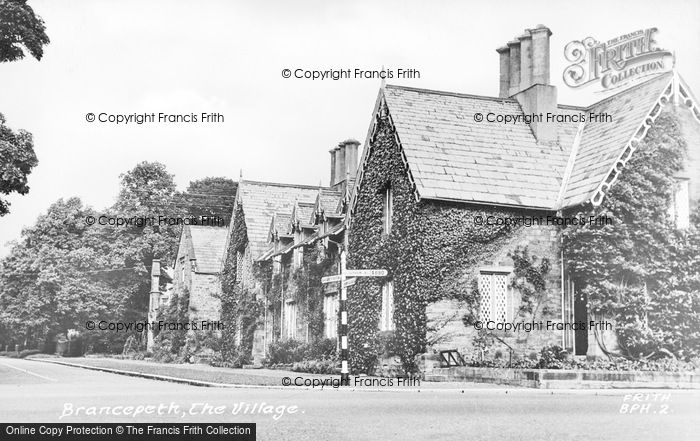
227 57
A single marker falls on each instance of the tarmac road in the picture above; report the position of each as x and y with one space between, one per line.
34 391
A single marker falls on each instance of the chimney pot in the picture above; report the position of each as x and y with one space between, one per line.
540 54
504 59
525 60
514 71
332 152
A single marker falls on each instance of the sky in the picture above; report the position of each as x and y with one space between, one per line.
220 56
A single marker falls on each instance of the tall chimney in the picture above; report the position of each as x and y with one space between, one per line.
332 152
504 58
527 61
339 163
514 71
351 156
540 54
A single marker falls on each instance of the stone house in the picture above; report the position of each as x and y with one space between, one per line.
445 202
274 225
197 270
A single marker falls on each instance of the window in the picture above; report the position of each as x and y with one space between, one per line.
387 319
298 257
679 210
388 210
330 315
493 288
290 319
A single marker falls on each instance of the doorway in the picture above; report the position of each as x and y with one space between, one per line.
581 317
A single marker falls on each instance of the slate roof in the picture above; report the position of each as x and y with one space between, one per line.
601 144
327 201
304 213
261 200
452 157
208 245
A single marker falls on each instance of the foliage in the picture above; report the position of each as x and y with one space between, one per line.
210 196
240 305
20 30
285 352
17 159
309 289
327 366
553 357
530 280
293 351
388 344
641 270
64 272
169 343
429 247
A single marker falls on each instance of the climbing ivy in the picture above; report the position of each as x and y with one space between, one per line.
309 290
641 270
429 248
240 305
530 280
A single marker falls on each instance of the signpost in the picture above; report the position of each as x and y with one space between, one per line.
345 281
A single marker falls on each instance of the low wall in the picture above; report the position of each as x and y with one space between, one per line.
566 379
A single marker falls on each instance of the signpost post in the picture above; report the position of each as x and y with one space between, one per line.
345 281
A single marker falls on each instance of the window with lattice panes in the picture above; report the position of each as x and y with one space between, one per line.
493 288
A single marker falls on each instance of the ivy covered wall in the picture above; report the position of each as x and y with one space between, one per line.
241 307
432 254
642 271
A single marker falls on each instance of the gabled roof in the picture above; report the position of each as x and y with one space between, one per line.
261 200
453 157
602 144
207 246
450 156
327 202
303 214
279 226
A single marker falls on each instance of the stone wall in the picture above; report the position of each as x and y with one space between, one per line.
542 242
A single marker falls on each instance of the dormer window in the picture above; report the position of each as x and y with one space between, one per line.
388 209
679 209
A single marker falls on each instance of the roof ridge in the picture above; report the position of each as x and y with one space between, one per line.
636 86
493 98
282 184
455 94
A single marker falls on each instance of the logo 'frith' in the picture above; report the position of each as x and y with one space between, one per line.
616 62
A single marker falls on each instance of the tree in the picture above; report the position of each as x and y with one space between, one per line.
17 159
20 30
211 196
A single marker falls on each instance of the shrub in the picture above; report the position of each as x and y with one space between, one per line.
27 352
316 366
294 351
388 344
321 350
553 357
285 352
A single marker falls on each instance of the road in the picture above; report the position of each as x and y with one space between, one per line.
32 391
